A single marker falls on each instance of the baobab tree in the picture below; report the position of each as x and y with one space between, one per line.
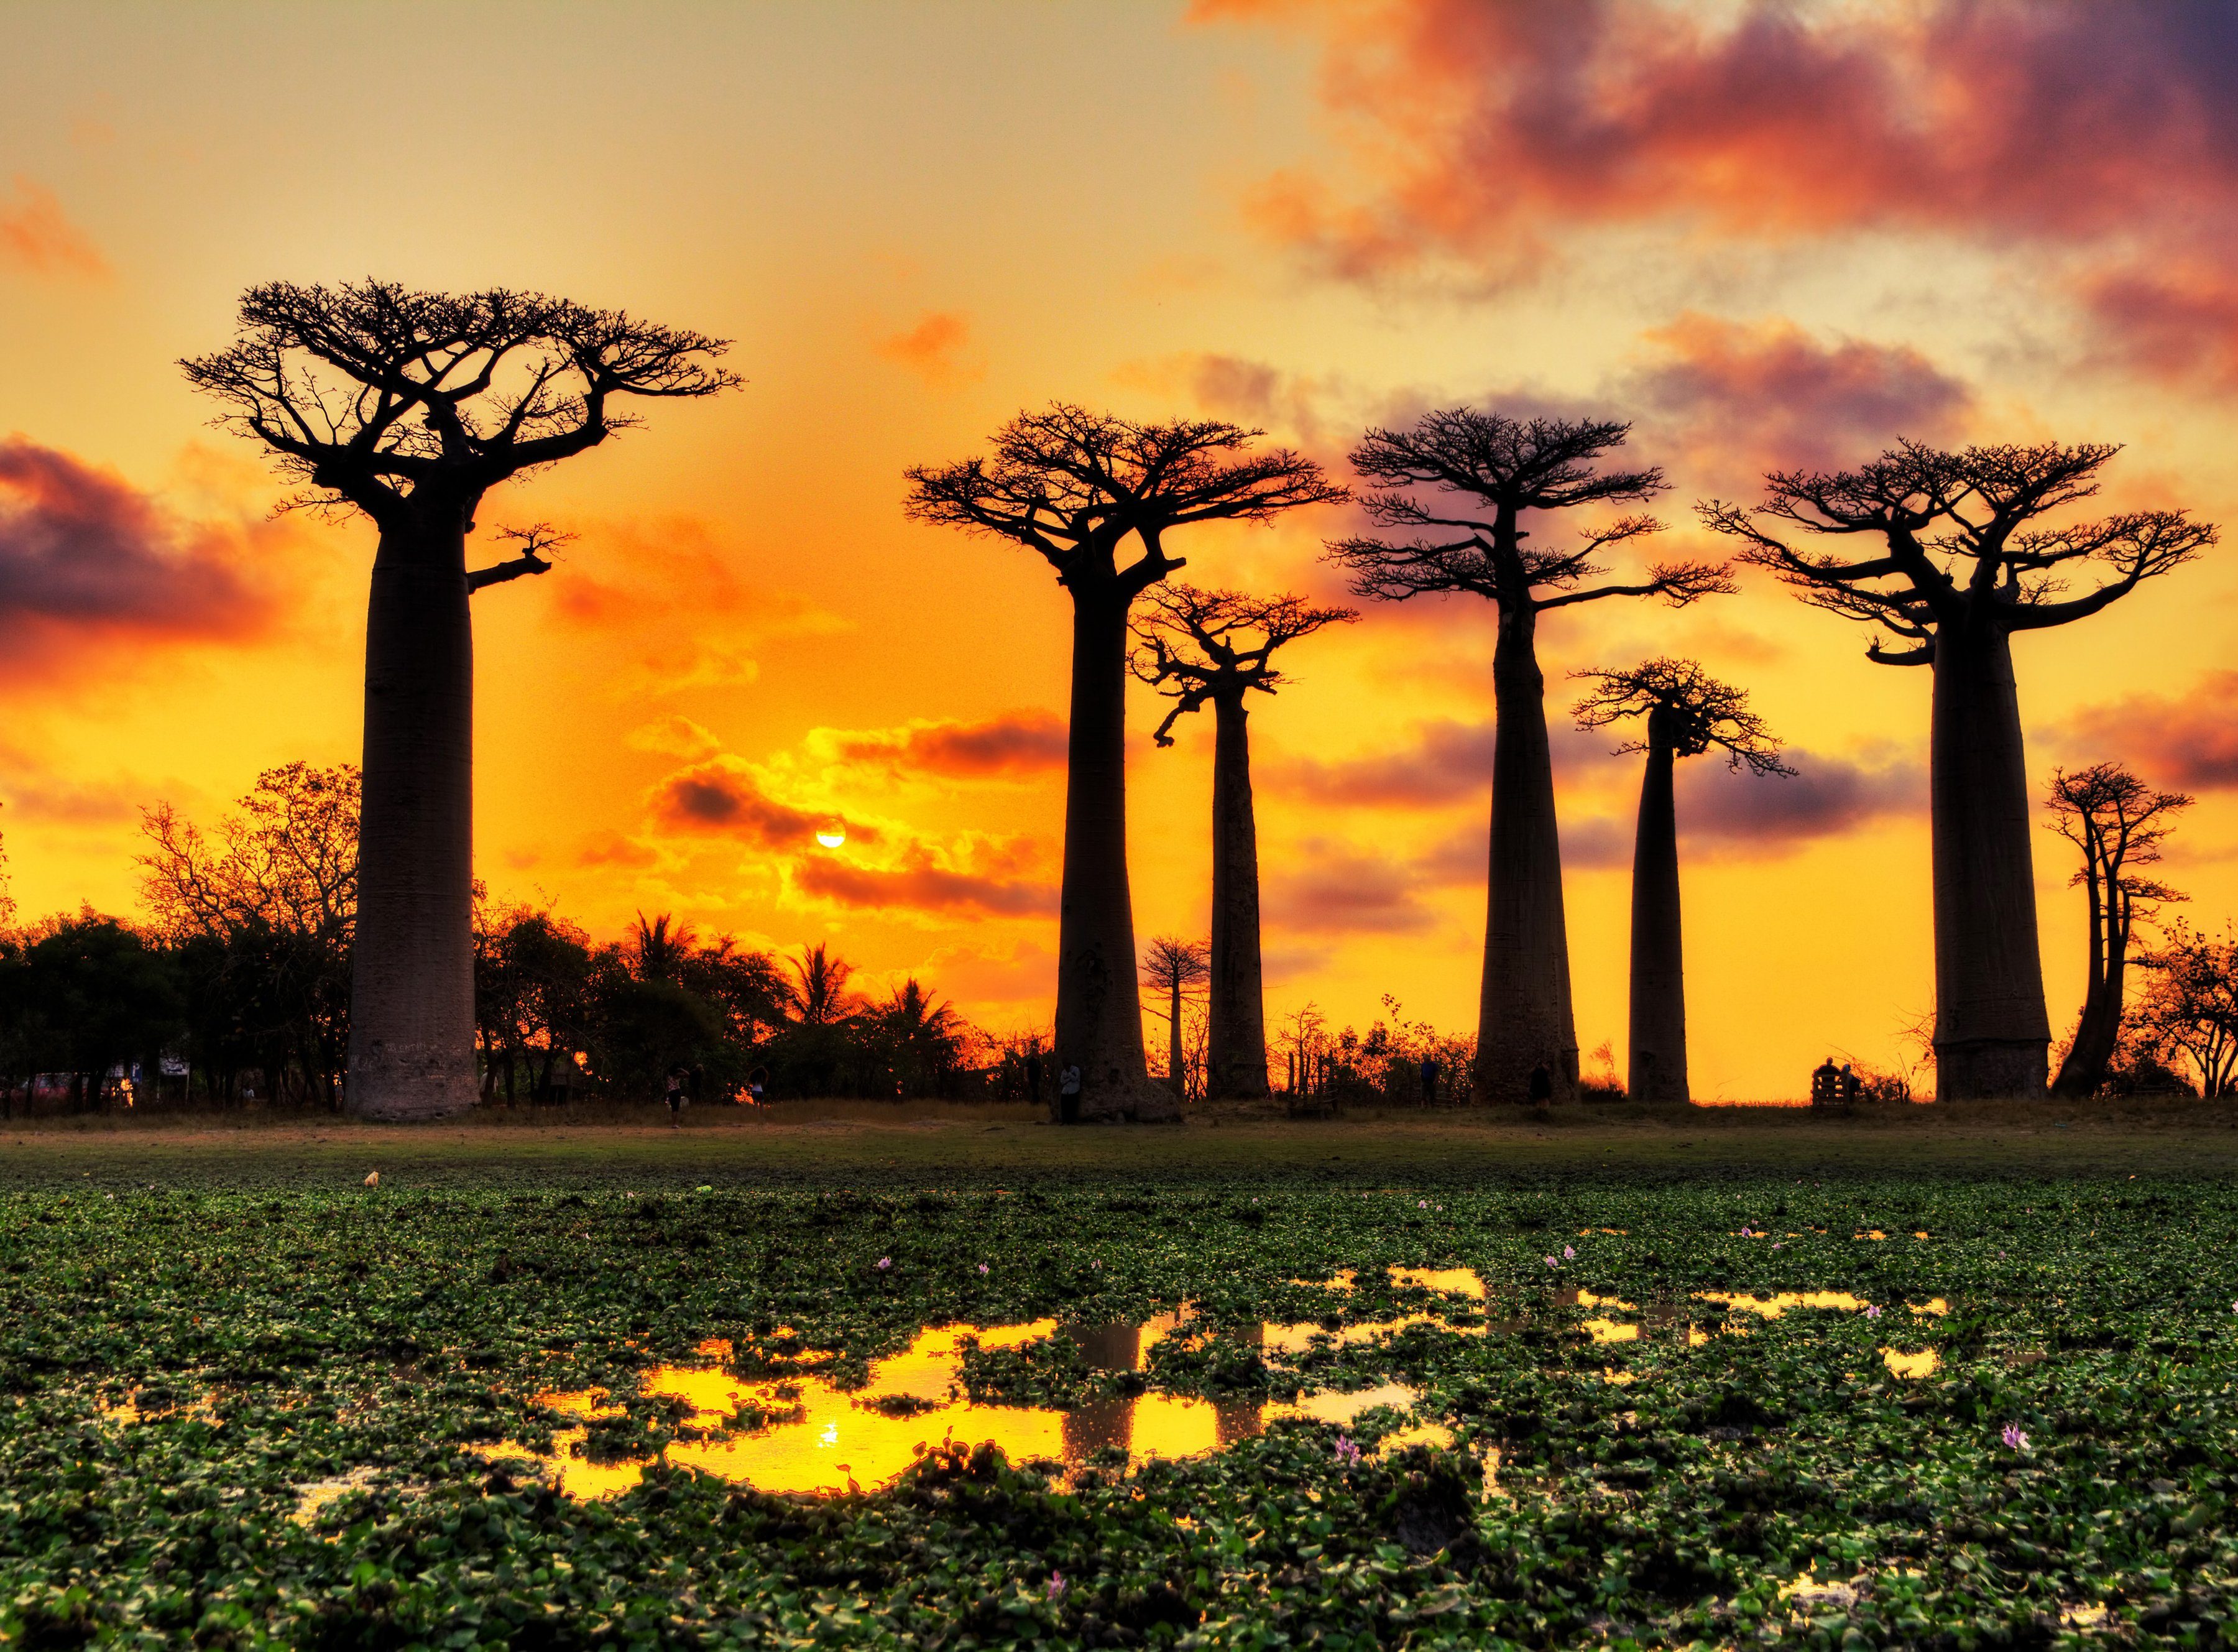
408 408
1215 647
1176 969
2119 823
1684 713
1501 469
1074 486
1962 559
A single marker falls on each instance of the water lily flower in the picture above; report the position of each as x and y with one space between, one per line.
1872 1310
884 1263
1346 1452
2016 1436
982 1267
1569 1253
1056 1586
1552 1263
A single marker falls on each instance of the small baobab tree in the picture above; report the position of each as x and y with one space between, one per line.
1959 558
1176 969
1684 712
1215 647
1496 471
408 408
2119 823
1074 487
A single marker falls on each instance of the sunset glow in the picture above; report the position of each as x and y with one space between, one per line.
752 695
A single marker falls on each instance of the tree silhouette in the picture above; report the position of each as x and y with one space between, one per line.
1074 486
1176 968
2119 823
1217 646
1686 712
2189 1006
408 408
1502 468
1962 561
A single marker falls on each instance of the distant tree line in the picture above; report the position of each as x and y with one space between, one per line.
236 988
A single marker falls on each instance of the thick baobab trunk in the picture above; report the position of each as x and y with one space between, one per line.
1524 1019
1099 1011
1991 1033
412 985
1658 1036
1237 1040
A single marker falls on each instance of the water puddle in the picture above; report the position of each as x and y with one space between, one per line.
801 1436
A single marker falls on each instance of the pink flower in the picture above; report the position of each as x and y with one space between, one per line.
884 1263
1552 1263
1346 1452
1569 1253
2016 1437
982 1267
1872 1310
1056 1586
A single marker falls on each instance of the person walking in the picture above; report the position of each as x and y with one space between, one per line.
680 1076
1068 1090
1429 1081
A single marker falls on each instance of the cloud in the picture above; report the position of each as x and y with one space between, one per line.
86 558
1825 797
2185 739
1478 132
1443 761
1328 889
1018 742
2174 317
1748 398
722 797
674 736
615 849
1434 765
936 349
920 884
35 236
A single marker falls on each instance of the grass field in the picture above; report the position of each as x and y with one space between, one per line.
1932 1378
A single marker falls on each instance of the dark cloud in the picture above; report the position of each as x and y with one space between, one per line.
2188 739
1435 764
919 885
1014 743
1825 797
1328 890
85 560
721 797
1745 398
1484 128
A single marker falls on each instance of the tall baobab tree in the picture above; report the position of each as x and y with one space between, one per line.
1215 647
1960 560
2119 823
1497 470
1074 486
1177 969
1685 712
408 408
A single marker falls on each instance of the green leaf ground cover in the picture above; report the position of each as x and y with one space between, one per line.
1780 1484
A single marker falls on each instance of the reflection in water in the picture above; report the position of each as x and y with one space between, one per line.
1925 1363
1773 1306
800 1434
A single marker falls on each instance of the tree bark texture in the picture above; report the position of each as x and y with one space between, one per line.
1524 1019
1991 1033
1099 1007
1657 1053
1236 1039
412 985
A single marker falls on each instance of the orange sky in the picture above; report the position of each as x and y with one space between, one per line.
1764 242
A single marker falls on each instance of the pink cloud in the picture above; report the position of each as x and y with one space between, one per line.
35 236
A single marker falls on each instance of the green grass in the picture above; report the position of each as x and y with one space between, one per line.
283 1324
